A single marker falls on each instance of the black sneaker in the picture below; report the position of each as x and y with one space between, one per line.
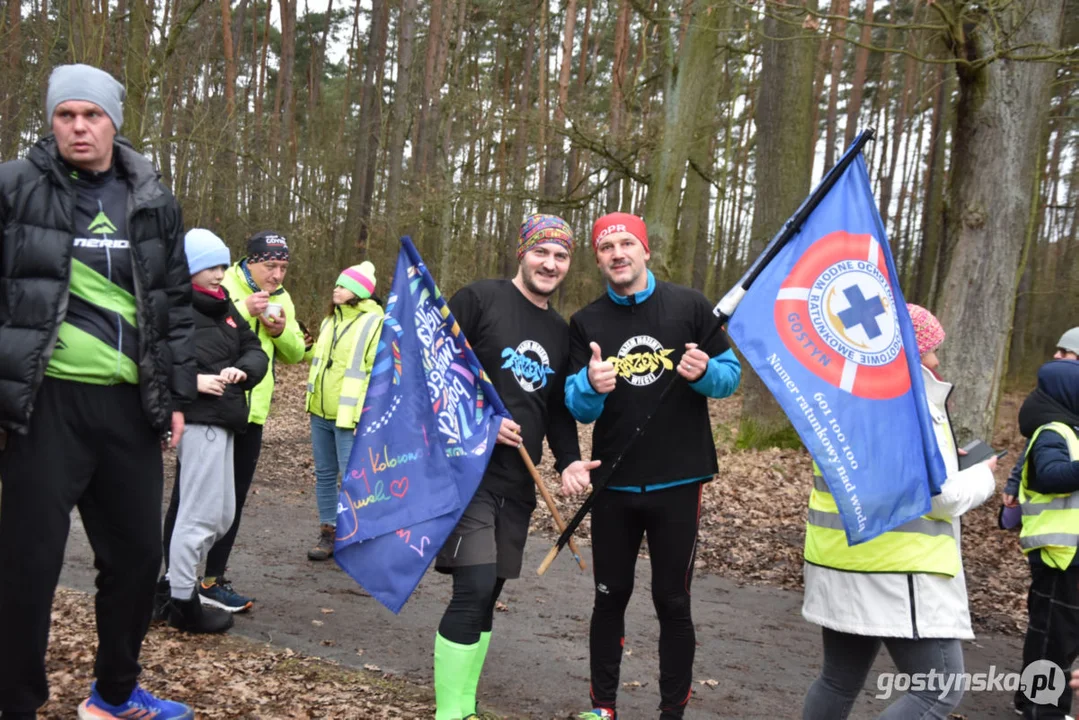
190 616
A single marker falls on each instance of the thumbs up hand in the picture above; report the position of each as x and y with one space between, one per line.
601 373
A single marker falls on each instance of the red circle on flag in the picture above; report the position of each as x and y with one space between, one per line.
836 314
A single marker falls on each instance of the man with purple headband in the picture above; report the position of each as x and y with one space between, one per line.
523 343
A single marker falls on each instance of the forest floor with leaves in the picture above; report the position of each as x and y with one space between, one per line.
752 528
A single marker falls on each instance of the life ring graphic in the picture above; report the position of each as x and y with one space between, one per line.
836 313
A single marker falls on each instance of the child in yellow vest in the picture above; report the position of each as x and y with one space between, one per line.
1048 496
336 386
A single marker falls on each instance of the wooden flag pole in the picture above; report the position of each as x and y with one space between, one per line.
558 521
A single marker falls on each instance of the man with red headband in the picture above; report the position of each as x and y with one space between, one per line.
523 344
625 349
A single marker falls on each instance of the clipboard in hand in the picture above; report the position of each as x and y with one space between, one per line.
977 451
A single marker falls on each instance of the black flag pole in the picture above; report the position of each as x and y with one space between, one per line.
723 309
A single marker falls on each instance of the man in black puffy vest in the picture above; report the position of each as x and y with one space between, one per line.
95 368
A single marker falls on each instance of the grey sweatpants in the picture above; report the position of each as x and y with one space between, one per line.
207 502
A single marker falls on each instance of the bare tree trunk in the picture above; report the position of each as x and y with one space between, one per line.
542 66
881 104
520 148
136 72
425 129
842 8
556 156
318 57
1001 118
224 195
399 110
9 105
368 130
899 130
933 203
861 62
825 50
618 97
582 76
783 170
695 80
285 107
230 59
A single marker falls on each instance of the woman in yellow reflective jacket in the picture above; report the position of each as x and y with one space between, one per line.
880 593
336 386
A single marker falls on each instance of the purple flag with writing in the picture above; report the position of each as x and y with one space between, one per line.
427 431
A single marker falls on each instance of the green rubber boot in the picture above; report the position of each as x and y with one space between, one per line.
453 668
472 680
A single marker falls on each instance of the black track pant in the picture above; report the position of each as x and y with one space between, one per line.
472 608
619 521
1052 632
91 447
246 449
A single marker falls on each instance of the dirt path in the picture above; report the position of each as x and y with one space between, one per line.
751 640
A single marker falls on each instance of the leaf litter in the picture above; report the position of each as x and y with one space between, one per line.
752 529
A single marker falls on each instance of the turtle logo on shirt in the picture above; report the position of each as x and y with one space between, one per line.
529 364
642 360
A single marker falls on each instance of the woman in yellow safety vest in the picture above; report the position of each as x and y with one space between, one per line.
1049 502
336 387
904 589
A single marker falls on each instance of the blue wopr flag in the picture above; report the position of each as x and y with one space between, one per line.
428 427
826 327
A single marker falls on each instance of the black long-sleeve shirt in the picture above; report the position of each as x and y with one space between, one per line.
525 351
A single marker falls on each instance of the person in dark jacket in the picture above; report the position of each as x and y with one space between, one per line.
1049 497
230 363
1067 349
625 348
95 369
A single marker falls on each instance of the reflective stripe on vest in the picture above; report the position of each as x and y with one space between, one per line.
354 388
320 348
922 545
1050 521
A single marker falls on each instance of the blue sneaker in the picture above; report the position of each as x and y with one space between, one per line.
219 594
141 705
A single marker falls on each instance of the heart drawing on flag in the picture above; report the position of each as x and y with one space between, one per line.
398 488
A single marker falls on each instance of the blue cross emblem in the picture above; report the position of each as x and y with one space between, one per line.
862 311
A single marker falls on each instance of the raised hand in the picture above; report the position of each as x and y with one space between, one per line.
257 302
601 373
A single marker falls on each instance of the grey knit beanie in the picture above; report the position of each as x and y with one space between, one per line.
84 82
1070 341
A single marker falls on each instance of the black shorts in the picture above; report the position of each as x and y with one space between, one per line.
493 530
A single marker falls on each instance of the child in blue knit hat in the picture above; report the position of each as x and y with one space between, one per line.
230 362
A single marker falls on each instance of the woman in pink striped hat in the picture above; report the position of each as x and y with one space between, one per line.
336 387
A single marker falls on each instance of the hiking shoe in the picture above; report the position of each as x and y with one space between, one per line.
219 594
140 705
190 616
324 549
598 714
162 596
